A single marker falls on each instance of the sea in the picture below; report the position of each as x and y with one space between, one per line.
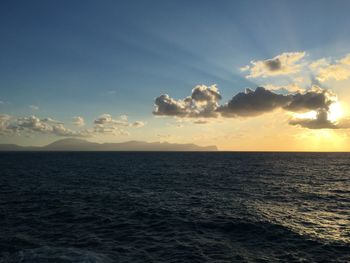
174 207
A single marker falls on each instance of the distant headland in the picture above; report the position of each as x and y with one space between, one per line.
72 144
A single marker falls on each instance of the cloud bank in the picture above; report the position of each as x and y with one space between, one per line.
32 124
104 124
204 103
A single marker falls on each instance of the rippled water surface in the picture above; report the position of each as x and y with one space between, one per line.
174 207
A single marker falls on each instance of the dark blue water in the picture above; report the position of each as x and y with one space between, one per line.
174 207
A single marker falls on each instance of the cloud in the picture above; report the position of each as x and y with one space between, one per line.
321 122
343 123
253 103
106 124
123 117
60 130
32 124
203 102
50 120
314 99
325 69
107 119
294 65
34 107
289 88
167 106
164 136
78 121
259 101
200 121
109 130
138 124
104 118
249 104
4 123
285 63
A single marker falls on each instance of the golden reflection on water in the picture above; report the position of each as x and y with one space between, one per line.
329 226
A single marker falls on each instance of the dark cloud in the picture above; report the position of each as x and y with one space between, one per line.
321 122
311 100
203 103
167 106
253 103
273 64
203 93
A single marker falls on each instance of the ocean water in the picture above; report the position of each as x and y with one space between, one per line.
174 207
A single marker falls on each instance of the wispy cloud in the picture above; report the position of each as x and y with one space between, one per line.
105 124
78 121
295 65
325 69
286 63
34 107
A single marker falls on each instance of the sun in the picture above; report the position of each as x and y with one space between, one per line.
335 112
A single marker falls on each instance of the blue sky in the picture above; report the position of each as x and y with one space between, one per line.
87 58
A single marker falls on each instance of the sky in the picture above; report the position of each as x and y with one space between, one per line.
268 75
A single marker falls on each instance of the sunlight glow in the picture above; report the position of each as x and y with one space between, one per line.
335 112
322 140
306 115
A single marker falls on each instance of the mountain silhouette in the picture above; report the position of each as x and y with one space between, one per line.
72 144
